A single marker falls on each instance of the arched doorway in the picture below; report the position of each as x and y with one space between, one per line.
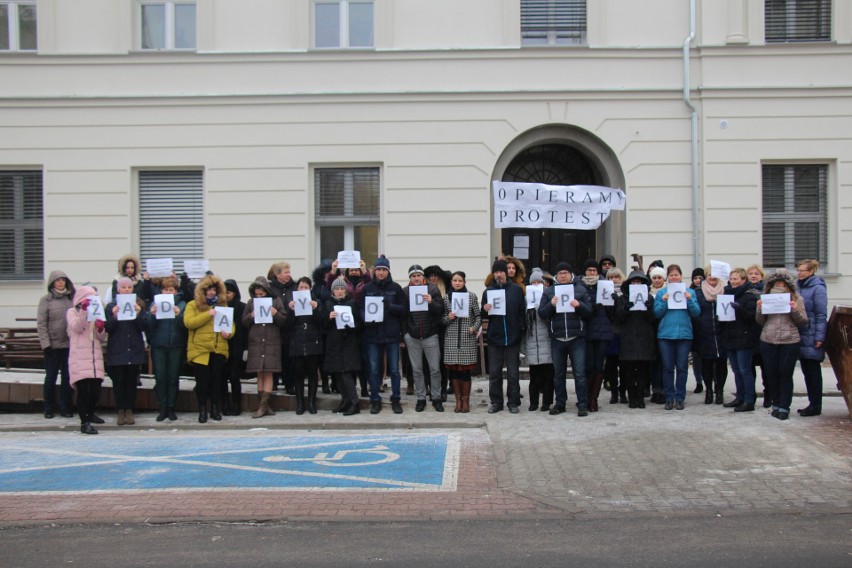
561 155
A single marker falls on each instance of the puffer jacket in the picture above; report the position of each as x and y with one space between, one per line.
815 296
566 325
126 345
264 339
421 325
86 356
342 346
202 340
506 330
306 332
742 333
675 324
460 345
167 333
783 329
52 323
536 346
709 329
599 326
389 330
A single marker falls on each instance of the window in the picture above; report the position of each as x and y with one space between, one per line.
21 226
343 23
553 22
166 25
789 21
171 216
18 26
795 222
347 211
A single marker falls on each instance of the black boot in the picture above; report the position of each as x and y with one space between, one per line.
202 414
236 404
312 397
325 388
720 391
214 412
300 405
708 393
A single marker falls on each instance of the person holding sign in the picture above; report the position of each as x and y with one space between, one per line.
714 358
504 305
598 332
674 338
86 357
536 347
343 347
167 338
282 284
383 324
740 338
52 329
125 352
305 322
567 333
460 347
264 340
129 267
638 342
812 351
780 337
422 328
356 279
611 365
235 367
207 349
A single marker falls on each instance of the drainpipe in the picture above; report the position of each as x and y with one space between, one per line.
694 136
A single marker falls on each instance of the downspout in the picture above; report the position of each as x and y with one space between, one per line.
694 136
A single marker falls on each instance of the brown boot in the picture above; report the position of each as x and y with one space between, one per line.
268 408
259 413
128 418
465 386
120 420
457 391
595 391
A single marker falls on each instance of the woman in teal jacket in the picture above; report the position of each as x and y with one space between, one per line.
674 337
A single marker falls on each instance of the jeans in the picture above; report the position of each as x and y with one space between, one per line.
416 349
740 360
812 369
167 362
374 352
576 350
498 356
675 359
56 363
779 362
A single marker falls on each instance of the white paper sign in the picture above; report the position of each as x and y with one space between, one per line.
416 303
158 267
497 299
126 309
605 290
677 295
725 307
196 268
374 309
302 299
165 306
534 294
349 259
95 311
775 303
638 294
262 310
344 317
721 270
461 304
223 319
564 294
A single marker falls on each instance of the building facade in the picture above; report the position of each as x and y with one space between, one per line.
250 132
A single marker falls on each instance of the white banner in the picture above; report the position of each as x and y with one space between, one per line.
537 205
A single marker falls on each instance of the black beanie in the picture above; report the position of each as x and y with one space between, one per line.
698 272
590 263
500 266
563 266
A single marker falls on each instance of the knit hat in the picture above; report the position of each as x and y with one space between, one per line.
123 281
339 282
500 266
563 266
698 272
657 271
414 269
382 262
537 275
590 263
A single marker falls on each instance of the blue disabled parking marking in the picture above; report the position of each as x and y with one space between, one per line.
410 462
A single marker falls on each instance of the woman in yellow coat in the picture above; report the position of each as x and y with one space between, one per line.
207 350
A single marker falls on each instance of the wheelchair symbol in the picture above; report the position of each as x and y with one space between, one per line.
344 458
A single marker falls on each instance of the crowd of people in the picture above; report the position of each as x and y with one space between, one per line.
347 330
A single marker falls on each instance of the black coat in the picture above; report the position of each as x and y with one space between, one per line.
395 305
742 333
342 346
509 329
125 345
638 330
305 333
708 341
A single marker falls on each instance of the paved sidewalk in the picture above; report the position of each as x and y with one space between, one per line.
703 460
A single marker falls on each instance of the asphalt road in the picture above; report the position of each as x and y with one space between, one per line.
815 541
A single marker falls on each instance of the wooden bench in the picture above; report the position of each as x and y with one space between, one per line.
20 344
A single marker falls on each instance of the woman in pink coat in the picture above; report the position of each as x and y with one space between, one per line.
86 357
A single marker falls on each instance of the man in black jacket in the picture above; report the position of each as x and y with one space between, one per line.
567 333
421 337
504 337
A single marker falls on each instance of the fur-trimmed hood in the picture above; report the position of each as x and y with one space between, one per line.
124 260
780 275
201 292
